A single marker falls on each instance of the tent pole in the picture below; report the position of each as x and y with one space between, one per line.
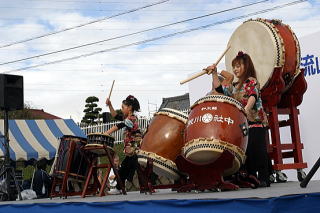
7 169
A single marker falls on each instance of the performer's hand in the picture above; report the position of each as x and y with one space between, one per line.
211 69
129 150
108 102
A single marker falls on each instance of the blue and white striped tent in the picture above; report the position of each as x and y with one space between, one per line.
37 138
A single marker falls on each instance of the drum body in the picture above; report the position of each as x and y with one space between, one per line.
98 138
270 44
163 142
216 123
78 165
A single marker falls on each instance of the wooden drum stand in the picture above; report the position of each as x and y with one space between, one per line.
205 176
276 102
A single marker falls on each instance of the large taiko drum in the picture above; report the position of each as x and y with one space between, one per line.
79 165
216 123
270 44
163 142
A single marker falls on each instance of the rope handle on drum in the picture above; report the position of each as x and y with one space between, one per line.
204 71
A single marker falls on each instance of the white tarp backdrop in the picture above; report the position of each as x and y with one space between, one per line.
309 109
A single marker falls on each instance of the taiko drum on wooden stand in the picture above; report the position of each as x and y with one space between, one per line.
163 142
216 123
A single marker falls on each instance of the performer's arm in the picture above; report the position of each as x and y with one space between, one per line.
111 130
228 78
250 103
253 93
112 111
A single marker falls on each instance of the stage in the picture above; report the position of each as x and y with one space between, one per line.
280 197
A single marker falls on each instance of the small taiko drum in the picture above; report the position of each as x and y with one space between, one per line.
270 44
216 123
96 142
163 141
98 138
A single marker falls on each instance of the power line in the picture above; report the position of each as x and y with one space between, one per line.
118 90
105 2
112 10
122 83
100 10
130 34
172 70
162 37
81 25
162 44
73 21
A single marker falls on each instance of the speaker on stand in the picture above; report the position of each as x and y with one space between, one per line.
11 98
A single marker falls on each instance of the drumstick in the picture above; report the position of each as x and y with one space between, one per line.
204 71
111 89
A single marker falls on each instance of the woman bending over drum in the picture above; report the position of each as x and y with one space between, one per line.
132 136
247 91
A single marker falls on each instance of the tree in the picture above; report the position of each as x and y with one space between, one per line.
92 111
20 114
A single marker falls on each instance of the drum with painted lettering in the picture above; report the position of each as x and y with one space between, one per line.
163 142
216 123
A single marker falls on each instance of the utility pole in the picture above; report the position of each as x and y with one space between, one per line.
151 112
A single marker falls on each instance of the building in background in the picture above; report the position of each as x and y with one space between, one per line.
180 102
41 114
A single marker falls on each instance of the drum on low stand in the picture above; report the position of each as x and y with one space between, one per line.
270 44
96 140
163 142
71 165
78 164
100 145
216 123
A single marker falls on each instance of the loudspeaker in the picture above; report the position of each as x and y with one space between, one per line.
11 92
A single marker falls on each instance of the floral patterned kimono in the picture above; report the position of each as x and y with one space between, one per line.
251 87
132 137
257 161
132 134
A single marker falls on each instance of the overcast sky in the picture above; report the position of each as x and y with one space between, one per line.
149 71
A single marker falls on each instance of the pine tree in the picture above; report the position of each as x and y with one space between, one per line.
92 111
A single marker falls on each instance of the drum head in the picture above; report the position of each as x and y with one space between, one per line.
161 166
204 150
203 156
261 42
176 114
99 138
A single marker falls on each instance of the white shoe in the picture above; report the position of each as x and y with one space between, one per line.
114 191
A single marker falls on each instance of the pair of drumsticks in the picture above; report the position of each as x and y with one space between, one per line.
204 71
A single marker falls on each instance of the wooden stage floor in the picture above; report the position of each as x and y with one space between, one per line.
276 190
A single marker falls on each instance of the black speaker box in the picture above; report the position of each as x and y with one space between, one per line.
11 92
